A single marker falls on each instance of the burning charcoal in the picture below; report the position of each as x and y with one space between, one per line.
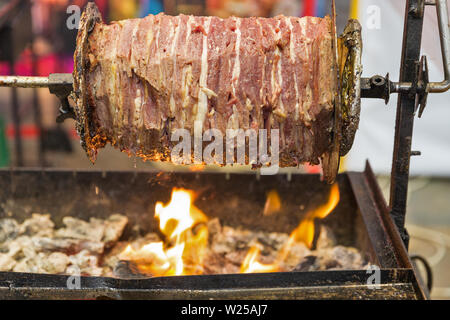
6 262
67 245
37 225
225 268
241 245
56 262
73 270
24 265
107 272
9 229
149 238
331 263
215 263
33 264
92 246
136 231
272 241
214 227
15 247
111 257
127 270
29 252
326 238
151 256
307 264
85 263
93 230
34 246
219 264
115 225
350 258
340 257
236 257
231 239
297 253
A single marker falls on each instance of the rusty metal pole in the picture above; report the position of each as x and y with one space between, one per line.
412 38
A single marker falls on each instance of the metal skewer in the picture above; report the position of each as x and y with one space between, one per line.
59 84
24 82
53 81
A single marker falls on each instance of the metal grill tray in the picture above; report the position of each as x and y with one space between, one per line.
361 219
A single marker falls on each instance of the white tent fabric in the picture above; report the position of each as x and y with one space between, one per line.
381 54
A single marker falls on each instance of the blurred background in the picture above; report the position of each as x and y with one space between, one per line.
35 40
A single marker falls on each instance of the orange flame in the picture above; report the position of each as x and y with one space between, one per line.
273 203
196 167
303 233
176 221
251 265
186 234
305 230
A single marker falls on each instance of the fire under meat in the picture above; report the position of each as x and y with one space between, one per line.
187 243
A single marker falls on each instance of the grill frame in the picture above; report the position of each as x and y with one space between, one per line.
395 284
375 230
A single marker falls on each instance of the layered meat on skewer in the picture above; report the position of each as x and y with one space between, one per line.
138 80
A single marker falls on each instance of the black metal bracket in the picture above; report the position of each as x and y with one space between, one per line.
60 84
406 106
379 87
421 96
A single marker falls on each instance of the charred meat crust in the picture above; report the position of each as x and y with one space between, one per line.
351 51
91 136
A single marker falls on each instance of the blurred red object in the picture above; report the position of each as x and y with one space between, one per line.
4 69
50 63
309 7
30 131
313 169
55 2
213 4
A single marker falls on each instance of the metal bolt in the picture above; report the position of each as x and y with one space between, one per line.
416 153
377 81
418 9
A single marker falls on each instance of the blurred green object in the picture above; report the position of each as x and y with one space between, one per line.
4 153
